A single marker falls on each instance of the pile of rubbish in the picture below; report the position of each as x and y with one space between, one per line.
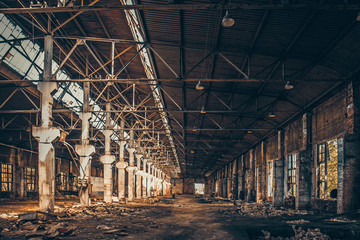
97 210
40 225
260 210
300 234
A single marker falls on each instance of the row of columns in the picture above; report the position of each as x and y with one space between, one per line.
142 179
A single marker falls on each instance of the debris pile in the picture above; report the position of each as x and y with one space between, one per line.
40 225
96 210
9 215
297 222
300 234
205 200
260 210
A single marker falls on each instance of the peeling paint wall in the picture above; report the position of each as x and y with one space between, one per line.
272 148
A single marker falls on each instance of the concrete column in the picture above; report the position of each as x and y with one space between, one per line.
138 175
131 169
163 186
168 185
46 134
348 194
234 180
217 183
158 191
228 181
278 197
241 178
251 178
224 183
107 160
121 165
144 178
148 185
303 170
20 175
158 183
85 150
261 175
152 180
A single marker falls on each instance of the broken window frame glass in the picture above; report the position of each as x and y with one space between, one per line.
6 178
291 174
324 161
30 179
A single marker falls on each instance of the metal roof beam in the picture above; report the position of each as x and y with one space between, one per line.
197 6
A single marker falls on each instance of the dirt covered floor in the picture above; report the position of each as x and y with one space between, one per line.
185 217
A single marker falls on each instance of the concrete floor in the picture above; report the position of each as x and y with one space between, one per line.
165 218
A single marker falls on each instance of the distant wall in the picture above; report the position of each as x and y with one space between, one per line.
189 186
177 185
185 185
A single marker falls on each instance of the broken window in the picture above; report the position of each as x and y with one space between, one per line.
327 169
291 182
30 179
270 174
73 182
6 177
200 188
61 181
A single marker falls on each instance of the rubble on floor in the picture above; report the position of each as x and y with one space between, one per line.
39 225
300 234
8 215
205 200
260 210
298 222
98 210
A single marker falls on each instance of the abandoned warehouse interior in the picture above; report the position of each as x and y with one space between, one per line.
176 119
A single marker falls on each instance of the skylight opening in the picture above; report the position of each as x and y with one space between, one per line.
135 28
28 59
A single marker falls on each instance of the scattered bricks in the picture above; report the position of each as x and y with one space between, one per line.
28 216
260 210
40 225
300 234
37 216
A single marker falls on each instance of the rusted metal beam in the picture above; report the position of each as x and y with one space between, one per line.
198 6
9 97
110 61
145 81
67 56
72 17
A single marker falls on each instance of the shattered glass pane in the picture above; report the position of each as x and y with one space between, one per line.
332 164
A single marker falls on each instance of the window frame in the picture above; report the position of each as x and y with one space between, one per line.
291 174
323 159
30 179
7 183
